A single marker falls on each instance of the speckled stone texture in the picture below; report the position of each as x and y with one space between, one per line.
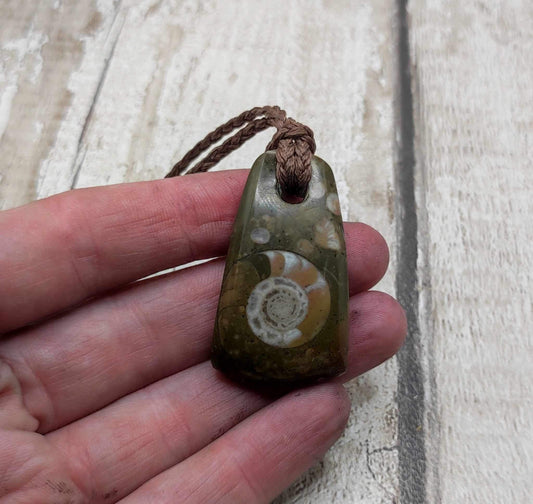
282 314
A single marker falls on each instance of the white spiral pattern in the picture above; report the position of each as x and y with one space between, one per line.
288 308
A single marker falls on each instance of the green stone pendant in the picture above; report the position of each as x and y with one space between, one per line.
282 313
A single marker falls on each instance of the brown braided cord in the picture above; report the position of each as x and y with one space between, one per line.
294 144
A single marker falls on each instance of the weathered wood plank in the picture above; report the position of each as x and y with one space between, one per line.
43 91
472 73
150 78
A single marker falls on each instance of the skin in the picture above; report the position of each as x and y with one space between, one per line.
106 392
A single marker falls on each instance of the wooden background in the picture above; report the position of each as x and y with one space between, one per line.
425 111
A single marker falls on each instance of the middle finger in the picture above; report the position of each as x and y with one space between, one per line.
82 361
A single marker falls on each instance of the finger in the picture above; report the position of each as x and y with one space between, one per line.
60 250
146 432
367 255
378 326
82 361
260 457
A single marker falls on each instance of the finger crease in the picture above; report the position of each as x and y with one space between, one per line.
13 411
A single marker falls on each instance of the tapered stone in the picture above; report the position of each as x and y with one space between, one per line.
283 307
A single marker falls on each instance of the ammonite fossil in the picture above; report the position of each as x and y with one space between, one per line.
287 306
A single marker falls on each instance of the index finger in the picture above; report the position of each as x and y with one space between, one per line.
58 251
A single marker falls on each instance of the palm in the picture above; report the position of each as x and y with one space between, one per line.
114 398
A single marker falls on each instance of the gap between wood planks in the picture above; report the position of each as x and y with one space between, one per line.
411 393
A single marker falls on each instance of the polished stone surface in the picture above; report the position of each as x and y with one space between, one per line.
282 314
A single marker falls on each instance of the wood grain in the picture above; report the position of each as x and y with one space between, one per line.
42 45
472 74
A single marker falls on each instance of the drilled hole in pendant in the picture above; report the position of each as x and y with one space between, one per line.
291 197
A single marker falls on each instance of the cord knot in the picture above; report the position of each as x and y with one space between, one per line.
295 145
293 142
289 129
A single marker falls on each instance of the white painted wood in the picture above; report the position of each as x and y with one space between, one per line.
473 75
119 91
45 95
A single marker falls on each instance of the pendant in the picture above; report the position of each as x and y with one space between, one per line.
282 317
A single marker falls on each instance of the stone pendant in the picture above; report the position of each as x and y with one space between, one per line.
282 313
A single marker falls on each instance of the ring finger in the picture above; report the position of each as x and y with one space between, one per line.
146 432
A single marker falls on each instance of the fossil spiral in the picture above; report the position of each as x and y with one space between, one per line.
287 300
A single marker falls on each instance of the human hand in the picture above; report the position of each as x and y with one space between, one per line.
105 389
